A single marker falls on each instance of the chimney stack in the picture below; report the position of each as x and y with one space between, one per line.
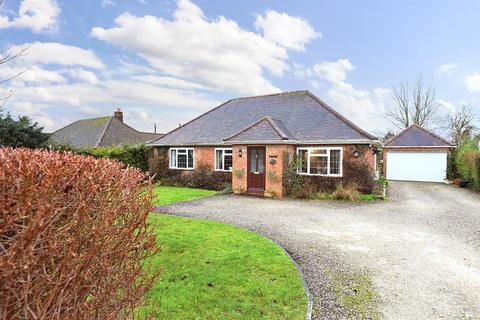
118 114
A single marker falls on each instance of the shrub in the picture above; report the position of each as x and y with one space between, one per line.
359 173
202 177
292 182
135 155
356 172
346 192
23 132
466 161
73 233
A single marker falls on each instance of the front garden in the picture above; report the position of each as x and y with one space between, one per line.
212 270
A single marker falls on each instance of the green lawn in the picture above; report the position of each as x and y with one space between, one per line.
168 195
213 270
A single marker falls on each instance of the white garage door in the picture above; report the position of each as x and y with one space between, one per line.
417 166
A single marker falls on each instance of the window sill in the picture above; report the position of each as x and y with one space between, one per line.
218 170
320 175
188 169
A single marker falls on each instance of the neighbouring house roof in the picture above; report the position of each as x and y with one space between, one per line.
101 132
416 136
289 117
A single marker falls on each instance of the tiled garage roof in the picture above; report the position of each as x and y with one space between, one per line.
300 115
416 136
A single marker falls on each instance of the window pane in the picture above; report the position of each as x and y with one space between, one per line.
261 156
228 151
182 160
182 151
302 154
253 161
318 151
218 160
228 162
190 159
173 158
318 165
334 161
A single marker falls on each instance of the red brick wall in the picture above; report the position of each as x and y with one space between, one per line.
205 156
239 172
386 150
274 172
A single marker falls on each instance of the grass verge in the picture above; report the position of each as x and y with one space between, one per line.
213 270
168 195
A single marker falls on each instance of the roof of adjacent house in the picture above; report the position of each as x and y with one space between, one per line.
416 136
101 132
289 117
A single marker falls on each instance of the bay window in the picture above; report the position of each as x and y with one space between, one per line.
223 159
325 161
181 158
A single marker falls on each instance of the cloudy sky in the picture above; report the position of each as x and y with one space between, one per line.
165 62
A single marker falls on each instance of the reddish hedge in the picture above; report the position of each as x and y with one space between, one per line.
73 235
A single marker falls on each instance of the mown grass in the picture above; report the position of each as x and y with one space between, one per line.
168 195
213 270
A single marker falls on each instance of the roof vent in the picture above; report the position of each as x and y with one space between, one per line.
118 114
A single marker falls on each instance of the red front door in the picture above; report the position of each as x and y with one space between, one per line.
256 169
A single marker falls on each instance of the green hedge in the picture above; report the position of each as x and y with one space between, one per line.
135 155
467 161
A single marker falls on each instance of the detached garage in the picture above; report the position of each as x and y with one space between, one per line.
416 154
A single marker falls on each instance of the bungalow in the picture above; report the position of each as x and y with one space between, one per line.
250 137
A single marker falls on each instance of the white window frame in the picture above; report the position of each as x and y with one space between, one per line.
223 158
328 149
176 160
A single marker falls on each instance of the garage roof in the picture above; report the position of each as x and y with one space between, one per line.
416 136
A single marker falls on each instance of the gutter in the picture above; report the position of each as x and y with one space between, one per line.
290 142
410 147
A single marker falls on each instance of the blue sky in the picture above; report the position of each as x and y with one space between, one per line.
168 61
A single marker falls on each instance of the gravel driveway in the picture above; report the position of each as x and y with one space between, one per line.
421 248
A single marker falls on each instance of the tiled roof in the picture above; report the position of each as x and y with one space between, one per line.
416 136
299 114
101 132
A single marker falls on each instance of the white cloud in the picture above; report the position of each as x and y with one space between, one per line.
289 32
82 75
56 53
37 15
473 82
153 95
169 82
106 3
39 113
364 107
216 53
33 74
333 71
447 69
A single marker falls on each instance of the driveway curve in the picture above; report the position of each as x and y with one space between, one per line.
421 248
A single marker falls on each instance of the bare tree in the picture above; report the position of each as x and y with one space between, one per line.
413 105
461 122
7 55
